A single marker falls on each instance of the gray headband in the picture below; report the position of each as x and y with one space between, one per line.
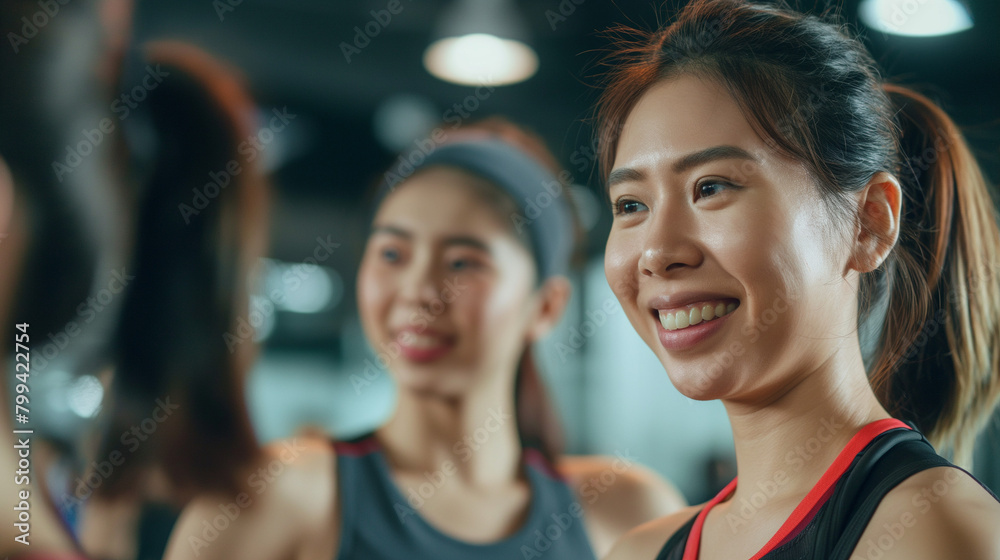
544 209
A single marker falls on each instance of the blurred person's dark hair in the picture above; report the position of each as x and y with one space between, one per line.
67 202
192 262
56 91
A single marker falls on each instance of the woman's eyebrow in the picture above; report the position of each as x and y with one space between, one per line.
391 230
711 154
456 240
627 174
467 241
624 175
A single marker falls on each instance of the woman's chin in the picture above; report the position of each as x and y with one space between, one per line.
429 383
697 384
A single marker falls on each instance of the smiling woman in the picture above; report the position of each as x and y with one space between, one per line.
786 225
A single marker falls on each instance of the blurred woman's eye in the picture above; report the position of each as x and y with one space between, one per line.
463 264
390 254
628 206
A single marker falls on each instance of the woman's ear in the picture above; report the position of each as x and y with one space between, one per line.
553 299
878 222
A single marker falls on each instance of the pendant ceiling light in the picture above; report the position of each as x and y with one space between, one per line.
915 18
481 42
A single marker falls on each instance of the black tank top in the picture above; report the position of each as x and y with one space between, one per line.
830 527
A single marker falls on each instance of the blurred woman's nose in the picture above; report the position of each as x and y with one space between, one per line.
421 280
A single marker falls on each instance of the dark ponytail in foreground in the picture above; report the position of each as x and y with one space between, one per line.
929 316
191 263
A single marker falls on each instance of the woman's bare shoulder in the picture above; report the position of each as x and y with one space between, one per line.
289 494
645 541
617 493
937 513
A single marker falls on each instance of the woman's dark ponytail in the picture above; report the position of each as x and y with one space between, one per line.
191 264
938 358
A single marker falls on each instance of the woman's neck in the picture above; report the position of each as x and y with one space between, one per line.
784 445
473 436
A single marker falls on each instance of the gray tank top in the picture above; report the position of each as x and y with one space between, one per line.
380 523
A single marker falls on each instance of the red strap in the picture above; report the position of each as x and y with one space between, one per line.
50 556
694 537
860 440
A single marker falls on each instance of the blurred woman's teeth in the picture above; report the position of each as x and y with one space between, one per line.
420 341
700 313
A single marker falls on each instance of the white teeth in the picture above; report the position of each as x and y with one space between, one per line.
708 313
695 316
687 317
420 341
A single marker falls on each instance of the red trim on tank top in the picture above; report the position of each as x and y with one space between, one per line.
536 458
810 504
357 448
48 556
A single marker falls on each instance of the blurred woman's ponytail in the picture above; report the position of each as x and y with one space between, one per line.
180 357
938 357
538 422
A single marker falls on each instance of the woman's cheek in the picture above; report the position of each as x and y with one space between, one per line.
373 292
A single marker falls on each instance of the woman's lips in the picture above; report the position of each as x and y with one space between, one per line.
688 336
423 345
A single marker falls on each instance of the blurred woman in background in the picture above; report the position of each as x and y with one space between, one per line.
456 282
817 249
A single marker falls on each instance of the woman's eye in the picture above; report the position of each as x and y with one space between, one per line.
462 264
711 188
390 254
625 206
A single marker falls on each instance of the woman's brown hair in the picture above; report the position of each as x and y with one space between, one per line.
930 314
191 262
